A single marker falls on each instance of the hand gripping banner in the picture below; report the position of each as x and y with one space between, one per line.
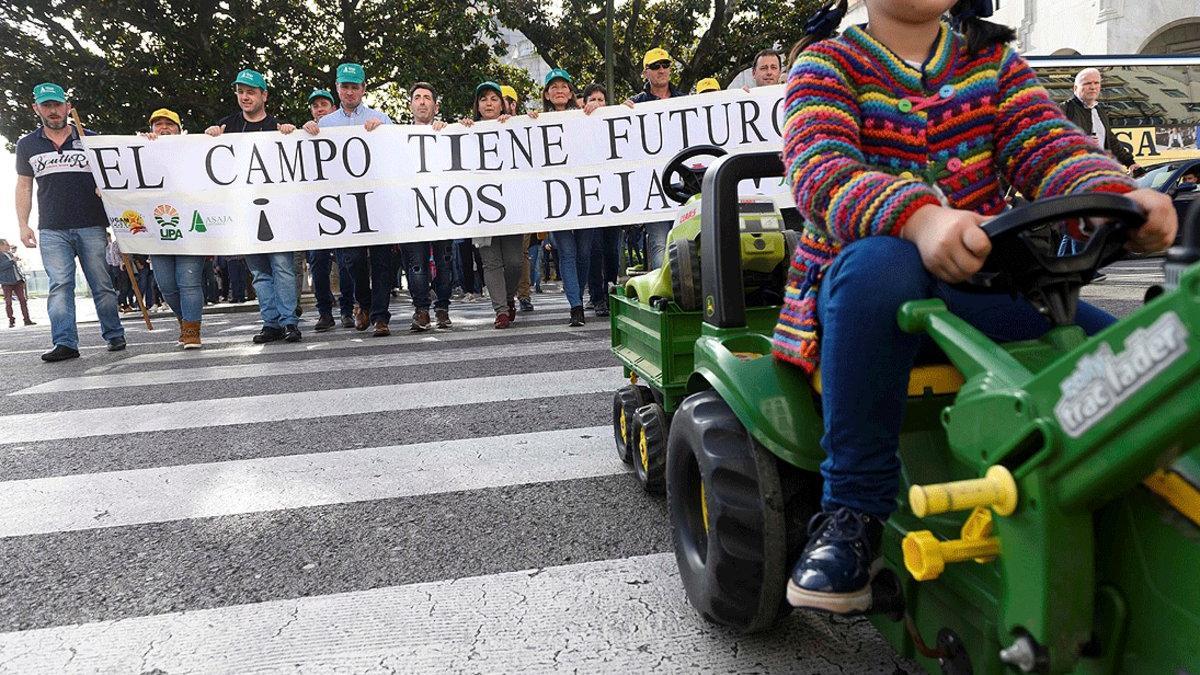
266 192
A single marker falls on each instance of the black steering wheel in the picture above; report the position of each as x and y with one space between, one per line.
1024 258
680 180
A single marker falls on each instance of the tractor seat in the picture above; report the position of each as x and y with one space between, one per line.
934 380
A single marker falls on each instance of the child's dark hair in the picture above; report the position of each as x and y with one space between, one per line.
820 26
968 17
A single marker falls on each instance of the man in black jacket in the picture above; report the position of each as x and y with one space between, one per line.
1085 111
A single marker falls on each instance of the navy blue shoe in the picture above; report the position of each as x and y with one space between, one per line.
834 572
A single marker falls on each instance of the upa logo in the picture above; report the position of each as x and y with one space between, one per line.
133 221
1103 380
166 216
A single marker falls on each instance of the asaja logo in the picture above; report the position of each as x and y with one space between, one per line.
166 216
201 223
133 220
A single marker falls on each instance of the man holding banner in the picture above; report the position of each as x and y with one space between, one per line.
71 220
321 261
656 71
274 273
371 265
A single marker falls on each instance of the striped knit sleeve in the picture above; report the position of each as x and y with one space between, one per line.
1039 150
834 188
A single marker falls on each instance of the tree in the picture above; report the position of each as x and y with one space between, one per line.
121 59
708 38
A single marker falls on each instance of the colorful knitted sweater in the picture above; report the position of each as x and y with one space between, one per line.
868 140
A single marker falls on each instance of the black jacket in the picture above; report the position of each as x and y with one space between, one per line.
1081 115
645 96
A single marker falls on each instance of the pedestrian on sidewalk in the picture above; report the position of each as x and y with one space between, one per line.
274 273
423 103
12 280
179 277
370 265
71 221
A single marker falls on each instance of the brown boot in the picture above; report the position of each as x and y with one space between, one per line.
361 319
420 320
381 329
189 335
443 318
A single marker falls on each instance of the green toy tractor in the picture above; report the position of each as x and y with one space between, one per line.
1051 517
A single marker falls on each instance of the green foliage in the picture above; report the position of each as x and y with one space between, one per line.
706 38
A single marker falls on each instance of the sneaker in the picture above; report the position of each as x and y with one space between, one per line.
381 329
502 321
116 344
443 318
576 317
28 322
324 323
347 321
512 310
291 333
420 320
527 304
60 353
268 334
602 309
834 571
361 319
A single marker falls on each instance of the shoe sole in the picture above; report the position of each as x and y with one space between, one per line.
854 602
192 346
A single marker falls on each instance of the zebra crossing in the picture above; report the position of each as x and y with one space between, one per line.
437 502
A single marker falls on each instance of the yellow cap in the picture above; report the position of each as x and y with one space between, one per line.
708 84
508 92
654 56
165 114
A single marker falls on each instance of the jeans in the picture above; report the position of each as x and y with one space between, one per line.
416 270
656 243
373 280
235 272
1068 246
147 286
59 249
320 264
275 284
180 278
606 262
866 360
574 259
208 281
502 268
18 290
535 267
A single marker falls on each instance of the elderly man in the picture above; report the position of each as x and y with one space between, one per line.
1085 110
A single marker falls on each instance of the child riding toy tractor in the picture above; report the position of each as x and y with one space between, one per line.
1051 516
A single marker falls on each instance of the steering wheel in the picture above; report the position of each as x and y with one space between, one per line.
1024 258
680 180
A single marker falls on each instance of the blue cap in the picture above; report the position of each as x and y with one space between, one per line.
557 74
251 78
483 86
48 91
351 72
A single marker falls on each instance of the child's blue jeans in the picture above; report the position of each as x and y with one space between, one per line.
866 360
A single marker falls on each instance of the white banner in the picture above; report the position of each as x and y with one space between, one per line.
266 192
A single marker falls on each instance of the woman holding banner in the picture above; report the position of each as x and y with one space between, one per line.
179 277
502 256
574 246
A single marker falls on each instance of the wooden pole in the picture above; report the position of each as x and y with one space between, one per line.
137 291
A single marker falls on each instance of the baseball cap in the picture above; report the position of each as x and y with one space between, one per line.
165 114
654 56
48 91
708 84
508 92
557 74
351 72
251 78
479 89
321 93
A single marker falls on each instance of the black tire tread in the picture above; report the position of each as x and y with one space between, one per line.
653 420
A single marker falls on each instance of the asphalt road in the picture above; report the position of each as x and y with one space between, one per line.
448 501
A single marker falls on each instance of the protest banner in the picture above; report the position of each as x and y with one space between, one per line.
266 192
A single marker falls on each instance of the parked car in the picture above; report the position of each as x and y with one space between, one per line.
1179 179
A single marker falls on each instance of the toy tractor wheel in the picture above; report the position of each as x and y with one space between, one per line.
627 400
650 448
728 518
684 255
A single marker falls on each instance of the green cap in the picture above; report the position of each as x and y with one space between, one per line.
48 91
351 72
557 74
489 85
321 93
251 78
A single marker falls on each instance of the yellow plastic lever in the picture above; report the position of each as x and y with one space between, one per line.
996 489
925 557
